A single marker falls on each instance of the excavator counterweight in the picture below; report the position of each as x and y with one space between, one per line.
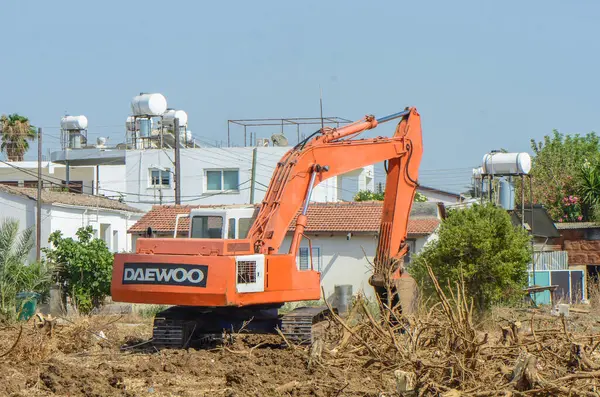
227 275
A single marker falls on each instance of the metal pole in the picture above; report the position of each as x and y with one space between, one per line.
532 231
177 164
67 172
298 132
228 136
245 137
523 201
38 234
97 180
253 180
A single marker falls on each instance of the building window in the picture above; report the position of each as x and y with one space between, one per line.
304 258
411 251
160 177
222 180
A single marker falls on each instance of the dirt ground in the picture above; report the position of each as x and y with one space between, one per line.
74 361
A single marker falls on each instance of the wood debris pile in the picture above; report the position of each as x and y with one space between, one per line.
442 352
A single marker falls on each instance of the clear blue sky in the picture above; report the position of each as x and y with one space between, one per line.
483 74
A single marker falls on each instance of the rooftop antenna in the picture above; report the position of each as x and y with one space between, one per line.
321 103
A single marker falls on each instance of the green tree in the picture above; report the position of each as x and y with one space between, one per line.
556 171
85 267
16 132
367 195
15 274
481 246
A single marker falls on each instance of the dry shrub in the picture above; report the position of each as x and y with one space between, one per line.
444 352
35 341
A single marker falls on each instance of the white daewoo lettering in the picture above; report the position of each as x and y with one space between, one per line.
179 275
164 275
182 273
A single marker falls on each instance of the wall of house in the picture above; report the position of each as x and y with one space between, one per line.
582 245
68 219
110 226
24 211
343 261
196 162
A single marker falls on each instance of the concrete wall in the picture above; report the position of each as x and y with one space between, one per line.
195 163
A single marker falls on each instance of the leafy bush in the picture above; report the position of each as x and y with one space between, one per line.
85 267
367 195
481 246
15 274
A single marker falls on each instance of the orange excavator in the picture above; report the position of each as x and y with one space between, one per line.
216 281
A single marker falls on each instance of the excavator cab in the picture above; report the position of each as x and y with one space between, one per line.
218 223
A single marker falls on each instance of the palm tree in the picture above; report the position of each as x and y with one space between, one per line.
16 131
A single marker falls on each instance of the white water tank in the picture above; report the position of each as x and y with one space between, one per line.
188 136
172 114
74 123
149 105
101 141
506 163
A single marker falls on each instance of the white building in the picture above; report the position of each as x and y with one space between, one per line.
67 212
339 233
441 196
107 179
144 178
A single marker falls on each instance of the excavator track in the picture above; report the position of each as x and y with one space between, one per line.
181 327
298 326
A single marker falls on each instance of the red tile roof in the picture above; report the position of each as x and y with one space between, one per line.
322 217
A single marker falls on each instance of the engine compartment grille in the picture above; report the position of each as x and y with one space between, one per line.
246 272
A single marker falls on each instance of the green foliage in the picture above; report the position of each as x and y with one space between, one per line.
589 183
367 195
85 267
556 170
16 132
420 197
15 274
481 246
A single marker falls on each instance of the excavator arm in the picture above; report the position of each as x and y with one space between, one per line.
332 152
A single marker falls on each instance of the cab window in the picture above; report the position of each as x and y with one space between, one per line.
207 227
244 225
231 232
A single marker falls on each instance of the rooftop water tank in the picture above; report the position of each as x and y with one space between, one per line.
506 163
149 105
74 123
172 114
188 136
